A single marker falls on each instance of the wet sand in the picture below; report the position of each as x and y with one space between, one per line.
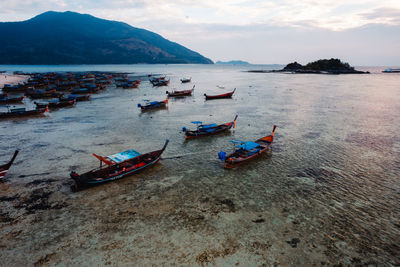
326 194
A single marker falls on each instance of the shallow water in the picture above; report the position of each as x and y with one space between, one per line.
327 192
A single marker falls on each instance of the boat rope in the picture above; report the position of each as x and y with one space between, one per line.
184 155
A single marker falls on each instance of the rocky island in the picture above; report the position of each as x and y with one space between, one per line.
322 66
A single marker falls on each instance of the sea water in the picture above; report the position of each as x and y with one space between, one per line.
326 193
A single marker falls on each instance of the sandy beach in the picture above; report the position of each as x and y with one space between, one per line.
11 79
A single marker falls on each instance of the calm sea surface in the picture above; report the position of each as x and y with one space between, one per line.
327 193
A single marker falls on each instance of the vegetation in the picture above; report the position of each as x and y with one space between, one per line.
73 38
333 65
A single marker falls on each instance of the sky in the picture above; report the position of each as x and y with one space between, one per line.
360 32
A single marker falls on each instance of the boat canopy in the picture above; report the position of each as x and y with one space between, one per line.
154 102
248 145
122 156
205 126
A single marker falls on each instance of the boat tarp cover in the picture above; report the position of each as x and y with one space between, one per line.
205 126
122 156
248 145
154 102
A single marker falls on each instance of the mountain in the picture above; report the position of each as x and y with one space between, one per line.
233 62
73 38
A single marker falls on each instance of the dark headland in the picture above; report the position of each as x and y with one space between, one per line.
73 38
322 66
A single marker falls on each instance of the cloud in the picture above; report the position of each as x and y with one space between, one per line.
260 31
383 15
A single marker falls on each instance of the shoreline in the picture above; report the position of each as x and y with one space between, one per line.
11 79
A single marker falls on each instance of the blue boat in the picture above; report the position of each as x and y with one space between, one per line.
208 129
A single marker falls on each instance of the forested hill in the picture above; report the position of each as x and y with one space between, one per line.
73 38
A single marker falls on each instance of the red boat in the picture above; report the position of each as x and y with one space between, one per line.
226 95
246 150
118 166
4 168
180 93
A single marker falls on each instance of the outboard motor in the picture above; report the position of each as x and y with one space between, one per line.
222 155
184 129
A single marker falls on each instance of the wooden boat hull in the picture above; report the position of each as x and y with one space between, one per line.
160 83
227 95
4 168
57 105
32 112
15 89
158 105
62 104
218 129
78 98
240 157
116 171
180 93
45 95
12 100
84 92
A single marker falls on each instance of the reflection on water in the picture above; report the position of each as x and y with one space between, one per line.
327 193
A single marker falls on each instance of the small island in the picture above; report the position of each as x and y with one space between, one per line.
322 66
232 62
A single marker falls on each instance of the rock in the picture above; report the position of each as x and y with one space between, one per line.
293 242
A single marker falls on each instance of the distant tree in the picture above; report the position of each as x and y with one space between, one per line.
333 64
293 66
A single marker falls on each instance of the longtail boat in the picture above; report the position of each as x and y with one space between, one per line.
85 91
4 168
176 93
154 105
78 98
130 85
17 88
56 103
246 150
161 83
226 95
35 94
118 166
21 112
156 79
208 129
11 100
186 80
